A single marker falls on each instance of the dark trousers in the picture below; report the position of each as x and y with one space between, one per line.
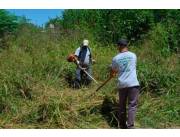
79 74
130 94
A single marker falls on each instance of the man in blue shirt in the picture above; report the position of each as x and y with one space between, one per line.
124 65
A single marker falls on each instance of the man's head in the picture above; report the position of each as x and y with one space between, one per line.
85 42
122 44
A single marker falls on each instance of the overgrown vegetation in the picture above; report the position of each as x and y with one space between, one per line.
108 25
34 92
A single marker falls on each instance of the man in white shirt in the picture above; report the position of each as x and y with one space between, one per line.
83 54
124 65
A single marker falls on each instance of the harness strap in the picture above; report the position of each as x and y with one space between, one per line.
82 55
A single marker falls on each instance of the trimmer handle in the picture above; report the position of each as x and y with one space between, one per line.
104 83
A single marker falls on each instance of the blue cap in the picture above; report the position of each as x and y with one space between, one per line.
122 42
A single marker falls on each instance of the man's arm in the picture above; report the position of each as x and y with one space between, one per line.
113 72
114 68
76 55
77 52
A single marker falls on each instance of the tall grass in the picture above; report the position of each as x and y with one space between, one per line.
34 92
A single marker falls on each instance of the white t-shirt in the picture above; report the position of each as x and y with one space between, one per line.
125 64
87 57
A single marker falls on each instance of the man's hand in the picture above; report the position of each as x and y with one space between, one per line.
93 61
113 73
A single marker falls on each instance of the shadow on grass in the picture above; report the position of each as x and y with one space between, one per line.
109 110
74 83
69 79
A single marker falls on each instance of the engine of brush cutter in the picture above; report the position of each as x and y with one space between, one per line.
71 58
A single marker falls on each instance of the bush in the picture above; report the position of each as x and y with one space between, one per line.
110 25
8 24
157 80
160 39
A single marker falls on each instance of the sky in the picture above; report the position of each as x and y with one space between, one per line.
37 16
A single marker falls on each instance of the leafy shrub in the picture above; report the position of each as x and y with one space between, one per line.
160 40
158 80
8 24
109 25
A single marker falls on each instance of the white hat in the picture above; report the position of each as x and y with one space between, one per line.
85 42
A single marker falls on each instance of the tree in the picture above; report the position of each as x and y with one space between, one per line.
8 23
109 25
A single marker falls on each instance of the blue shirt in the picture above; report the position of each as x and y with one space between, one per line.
125 64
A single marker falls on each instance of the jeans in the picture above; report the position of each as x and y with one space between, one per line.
79 73
130 94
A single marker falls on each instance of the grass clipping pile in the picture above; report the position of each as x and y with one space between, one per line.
69 109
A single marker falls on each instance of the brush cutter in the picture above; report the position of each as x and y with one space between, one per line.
113 74
72 58
104 83
83 69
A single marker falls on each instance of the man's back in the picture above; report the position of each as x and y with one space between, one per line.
84 55
125 64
